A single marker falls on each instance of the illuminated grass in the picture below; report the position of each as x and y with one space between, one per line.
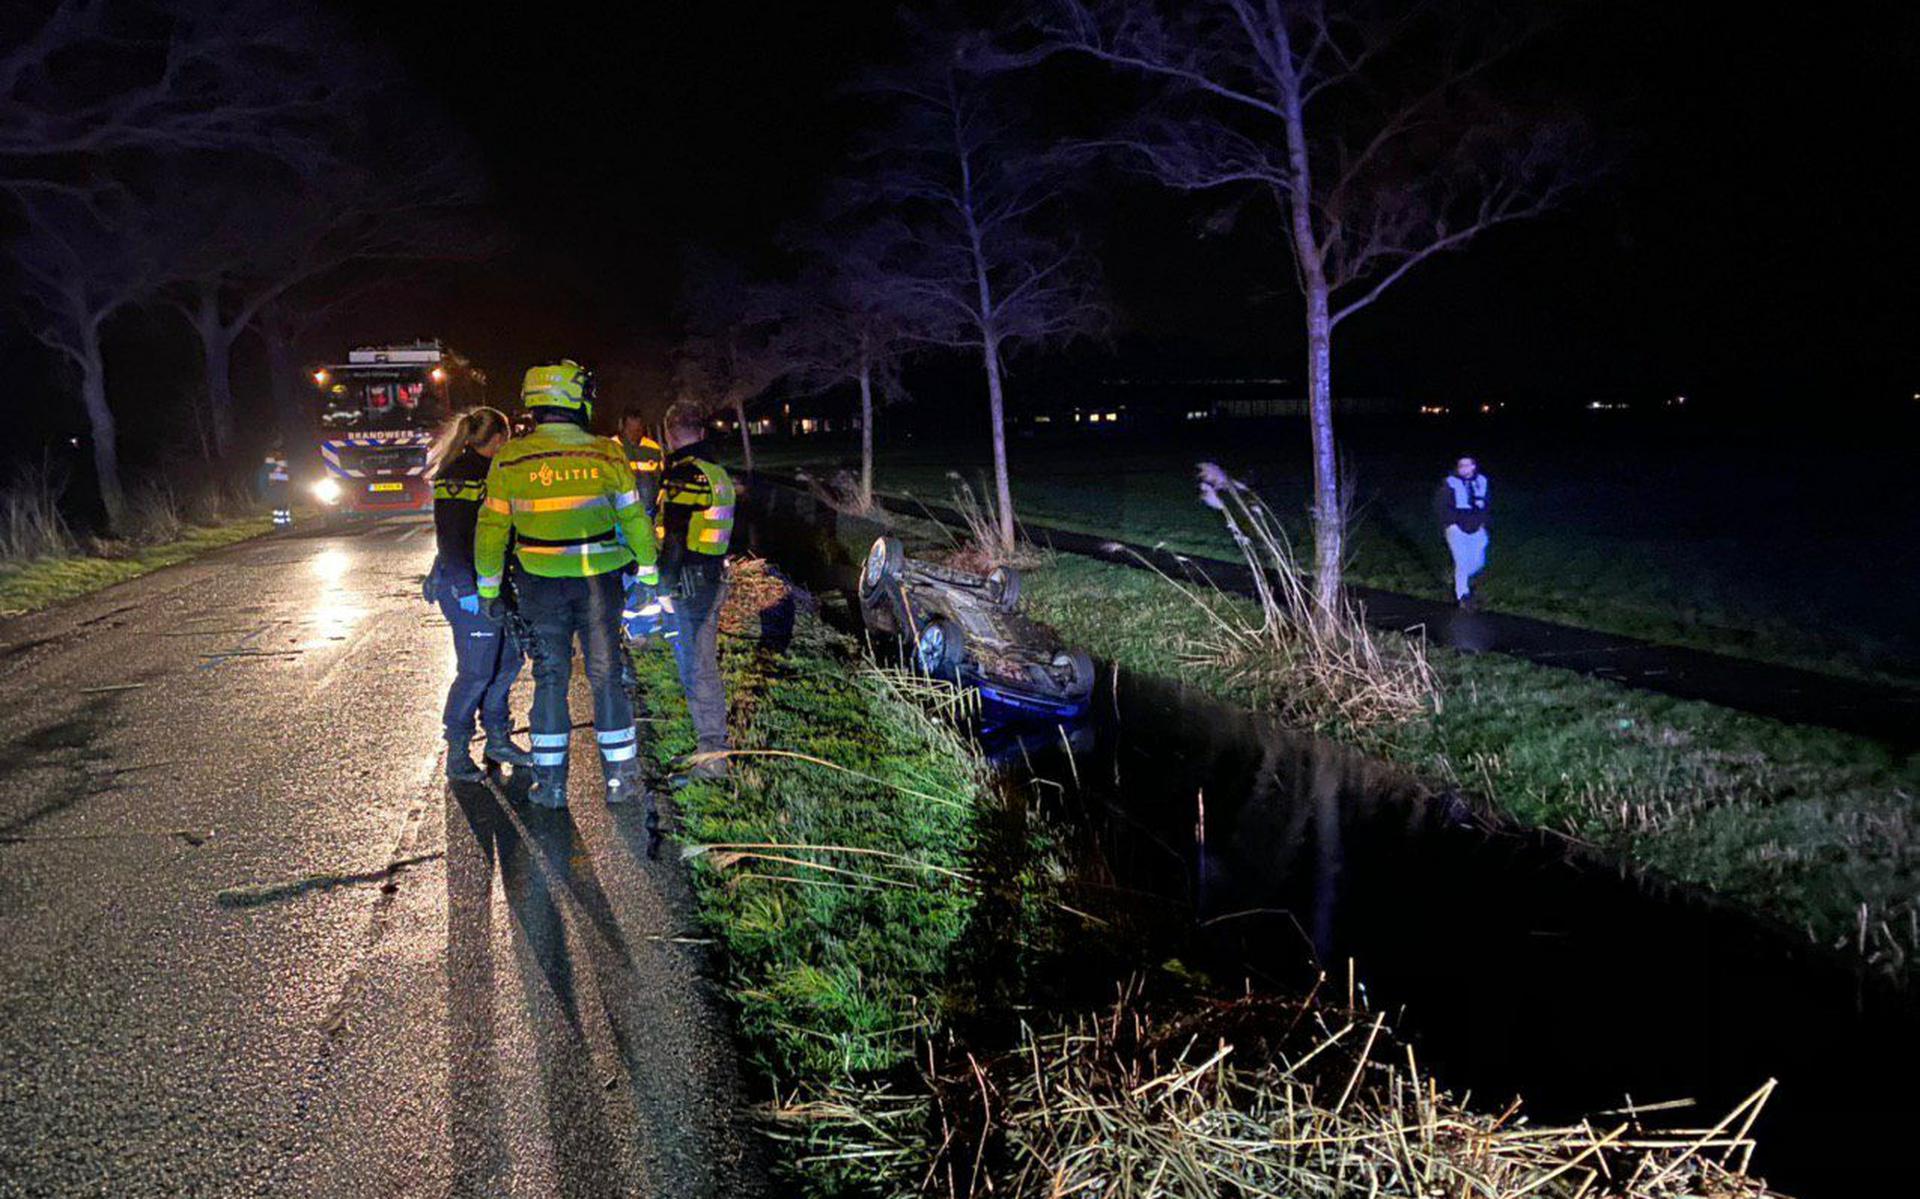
835 871
30 586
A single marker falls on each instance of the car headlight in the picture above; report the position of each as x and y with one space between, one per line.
327 490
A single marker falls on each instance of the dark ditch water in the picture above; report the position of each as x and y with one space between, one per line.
1516 964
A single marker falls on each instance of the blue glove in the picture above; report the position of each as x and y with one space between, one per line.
470 604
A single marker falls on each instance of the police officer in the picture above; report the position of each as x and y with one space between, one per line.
695 524
643 454
487 655
569 501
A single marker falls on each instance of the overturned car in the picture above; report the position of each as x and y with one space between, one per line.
965 627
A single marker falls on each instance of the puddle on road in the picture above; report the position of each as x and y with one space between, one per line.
1213 842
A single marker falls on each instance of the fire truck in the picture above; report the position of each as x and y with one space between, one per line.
377 414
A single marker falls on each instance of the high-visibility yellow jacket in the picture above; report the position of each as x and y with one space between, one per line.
696 514
569 499
647 459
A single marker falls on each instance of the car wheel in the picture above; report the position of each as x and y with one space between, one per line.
938 650
1075 667
1003 588
882 569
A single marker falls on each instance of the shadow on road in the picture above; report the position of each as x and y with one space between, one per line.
576 1118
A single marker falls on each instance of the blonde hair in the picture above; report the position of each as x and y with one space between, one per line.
475 426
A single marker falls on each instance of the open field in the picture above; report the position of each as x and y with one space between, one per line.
1671 534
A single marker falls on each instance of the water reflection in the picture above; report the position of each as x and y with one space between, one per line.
332 610
1518 964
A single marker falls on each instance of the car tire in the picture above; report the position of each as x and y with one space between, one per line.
938 649
1080 673
1003 588
881 570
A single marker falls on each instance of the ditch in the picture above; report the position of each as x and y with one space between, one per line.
1213 845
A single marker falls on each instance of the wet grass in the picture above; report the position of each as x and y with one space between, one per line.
832 865
1816 828
32 585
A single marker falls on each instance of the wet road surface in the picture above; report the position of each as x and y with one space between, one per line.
253 944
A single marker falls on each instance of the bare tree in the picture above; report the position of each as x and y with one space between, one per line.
727 356
843 321
85 81
988 264
253 239
72 276
1371 127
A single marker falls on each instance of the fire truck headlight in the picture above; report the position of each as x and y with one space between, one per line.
327 490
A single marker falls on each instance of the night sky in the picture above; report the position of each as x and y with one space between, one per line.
1754 246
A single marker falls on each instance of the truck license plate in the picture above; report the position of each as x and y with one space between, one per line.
386 487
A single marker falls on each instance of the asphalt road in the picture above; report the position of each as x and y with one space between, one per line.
250 943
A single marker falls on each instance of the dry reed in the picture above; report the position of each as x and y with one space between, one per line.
1268 1097
984 547
1323 666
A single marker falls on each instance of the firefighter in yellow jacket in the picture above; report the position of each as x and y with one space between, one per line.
577 524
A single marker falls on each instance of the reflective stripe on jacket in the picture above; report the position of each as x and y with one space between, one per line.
458 491
696 509
569 499
647 460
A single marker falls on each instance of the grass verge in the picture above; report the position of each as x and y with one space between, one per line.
832 864
1814 827
35 584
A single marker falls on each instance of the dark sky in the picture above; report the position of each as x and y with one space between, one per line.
1755 245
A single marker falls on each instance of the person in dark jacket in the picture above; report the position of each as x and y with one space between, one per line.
1460 505
487 654
696 527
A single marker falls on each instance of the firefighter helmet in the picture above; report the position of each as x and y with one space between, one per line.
564 384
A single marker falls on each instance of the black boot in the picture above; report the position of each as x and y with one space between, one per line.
461 768
549 788
500 748
624 784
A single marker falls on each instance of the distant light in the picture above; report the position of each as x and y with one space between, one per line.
439 374
1486 407
321 377
327 490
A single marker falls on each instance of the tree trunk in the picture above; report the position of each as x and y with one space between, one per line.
1308 255
866 437
216 355
746 438
1329 522
292 417
106 448
996 407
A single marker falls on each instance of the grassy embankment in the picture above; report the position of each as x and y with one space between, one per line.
1815 827
838 867
1574 542
27 586
833 865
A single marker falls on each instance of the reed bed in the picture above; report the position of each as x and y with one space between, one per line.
1290 1099
1325 668
984 548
